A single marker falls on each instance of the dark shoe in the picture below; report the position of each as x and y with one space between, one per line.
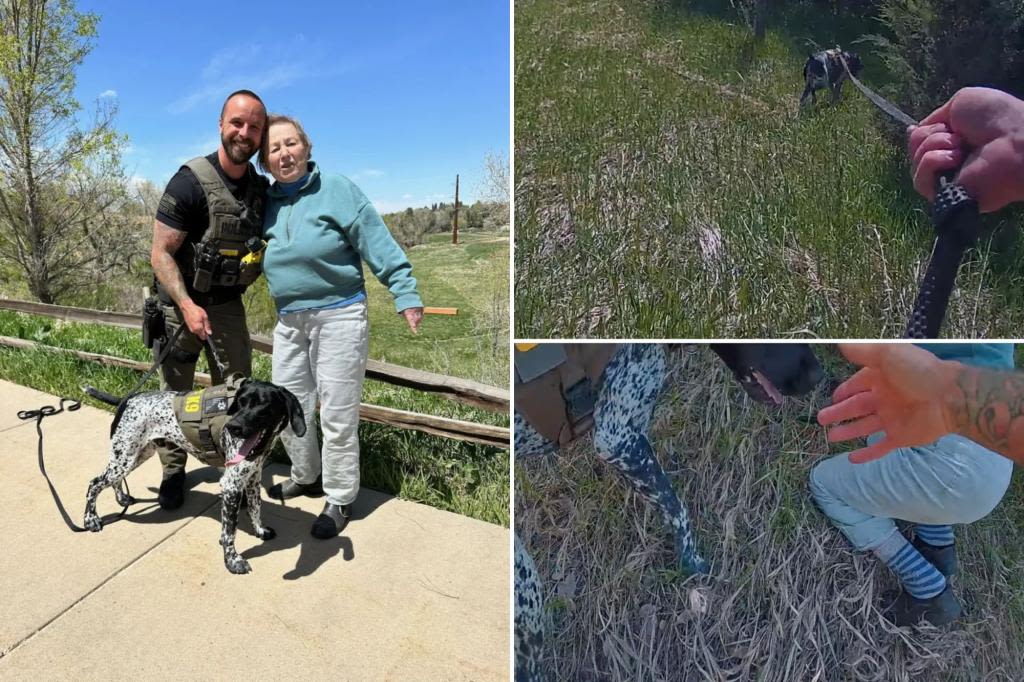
942 558
332 520
289 489
172 491
938 610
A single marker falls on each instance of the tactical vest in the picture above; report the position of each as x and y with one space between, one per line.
232 224
557 384
202 415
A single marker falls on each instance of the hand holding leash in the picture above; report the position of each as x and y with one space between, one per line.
979 131
955 218
196 320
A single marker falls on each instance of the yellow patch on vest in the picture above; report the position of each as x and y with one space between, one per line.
192 402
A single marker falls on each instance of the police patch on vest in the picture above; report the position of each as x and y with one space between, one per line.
216 404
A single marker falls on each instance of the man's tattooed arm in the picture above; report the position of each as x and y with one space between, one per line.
166 242
987 406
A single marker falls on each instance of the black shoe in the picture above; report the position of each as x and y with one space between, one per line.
332 520
172 491
938 610
942 558
289 489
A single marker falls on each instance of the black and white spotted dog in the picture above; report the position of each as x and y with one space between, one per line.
825 70
259 412
631 383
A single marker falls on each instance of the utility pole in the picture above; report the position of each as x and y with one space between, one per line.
455 220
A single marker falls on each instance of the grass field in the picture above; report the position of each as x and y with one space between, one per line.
667 186
461 477
787 598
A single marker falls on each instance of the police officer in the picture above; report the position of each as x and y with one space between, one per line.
207 229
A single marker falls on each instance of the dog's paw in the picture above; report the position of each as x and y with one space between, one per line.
124 499
237 565
93 523
694 565
266 533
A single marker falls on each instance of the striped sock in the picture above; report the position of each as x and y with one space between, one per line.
919 578
936 536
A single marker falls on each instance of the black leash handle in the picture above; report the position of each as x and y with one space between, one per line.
957 225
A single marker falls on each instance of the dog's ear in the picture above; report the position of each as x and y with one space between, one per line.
233 406
295 415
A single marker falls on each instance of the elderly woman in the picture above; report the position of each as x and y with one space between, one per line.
320 229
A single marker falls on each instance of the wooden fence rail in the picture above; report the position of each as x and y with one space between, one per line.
474 393
485 434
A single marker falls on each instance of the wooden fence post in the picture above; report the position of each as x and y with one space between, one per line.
455 221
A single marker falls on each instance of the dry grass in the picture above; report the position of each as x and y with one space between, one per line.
787 599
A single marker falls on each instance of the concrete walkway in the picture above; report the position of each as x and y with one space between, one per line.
408 593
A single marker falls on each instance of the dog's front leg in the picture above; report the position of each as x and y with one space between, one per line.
808 93
231 492
837 89
254 501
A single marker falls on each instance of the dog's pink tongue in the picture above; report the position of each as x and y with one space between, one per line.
246 448
768 387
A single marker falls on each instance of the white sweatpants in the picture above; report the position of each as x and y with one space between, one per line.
322 354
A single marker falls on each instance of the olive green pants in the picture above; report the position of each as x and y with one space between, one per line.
177 372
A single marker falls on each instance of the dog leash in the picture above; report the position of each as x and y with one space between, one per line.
221 367
38 416
957 226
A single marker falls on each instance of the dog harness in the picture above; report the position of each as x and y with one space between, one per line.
202 416
556 386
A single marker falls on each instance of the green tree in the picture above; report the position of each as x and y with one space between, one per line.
61 186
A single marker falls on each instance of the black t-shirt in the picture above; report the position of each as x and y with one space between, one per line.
183 205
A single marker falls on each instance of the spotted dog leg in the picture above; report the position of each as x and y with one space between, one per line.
529 618
529 609
123 498
232 488
632 383
526 440
254 504
125 456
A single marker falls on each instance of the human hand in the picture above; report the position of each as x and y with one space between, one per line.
981 132
413 316
899 390
197 320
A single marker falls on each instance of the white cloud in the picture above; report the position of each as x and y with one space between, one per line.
108 93
253 67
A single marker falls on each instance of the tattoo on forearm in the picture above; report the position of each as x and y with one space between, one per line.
167 271
166 242
988 407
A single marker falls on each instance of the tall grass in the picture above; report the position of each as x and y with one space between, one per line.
787 597
667 186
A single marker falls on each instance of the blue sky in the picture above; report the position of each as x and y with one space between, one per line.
399 96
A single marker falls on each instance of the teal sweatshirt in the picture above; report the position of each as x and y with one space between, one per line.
990 355
317 240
